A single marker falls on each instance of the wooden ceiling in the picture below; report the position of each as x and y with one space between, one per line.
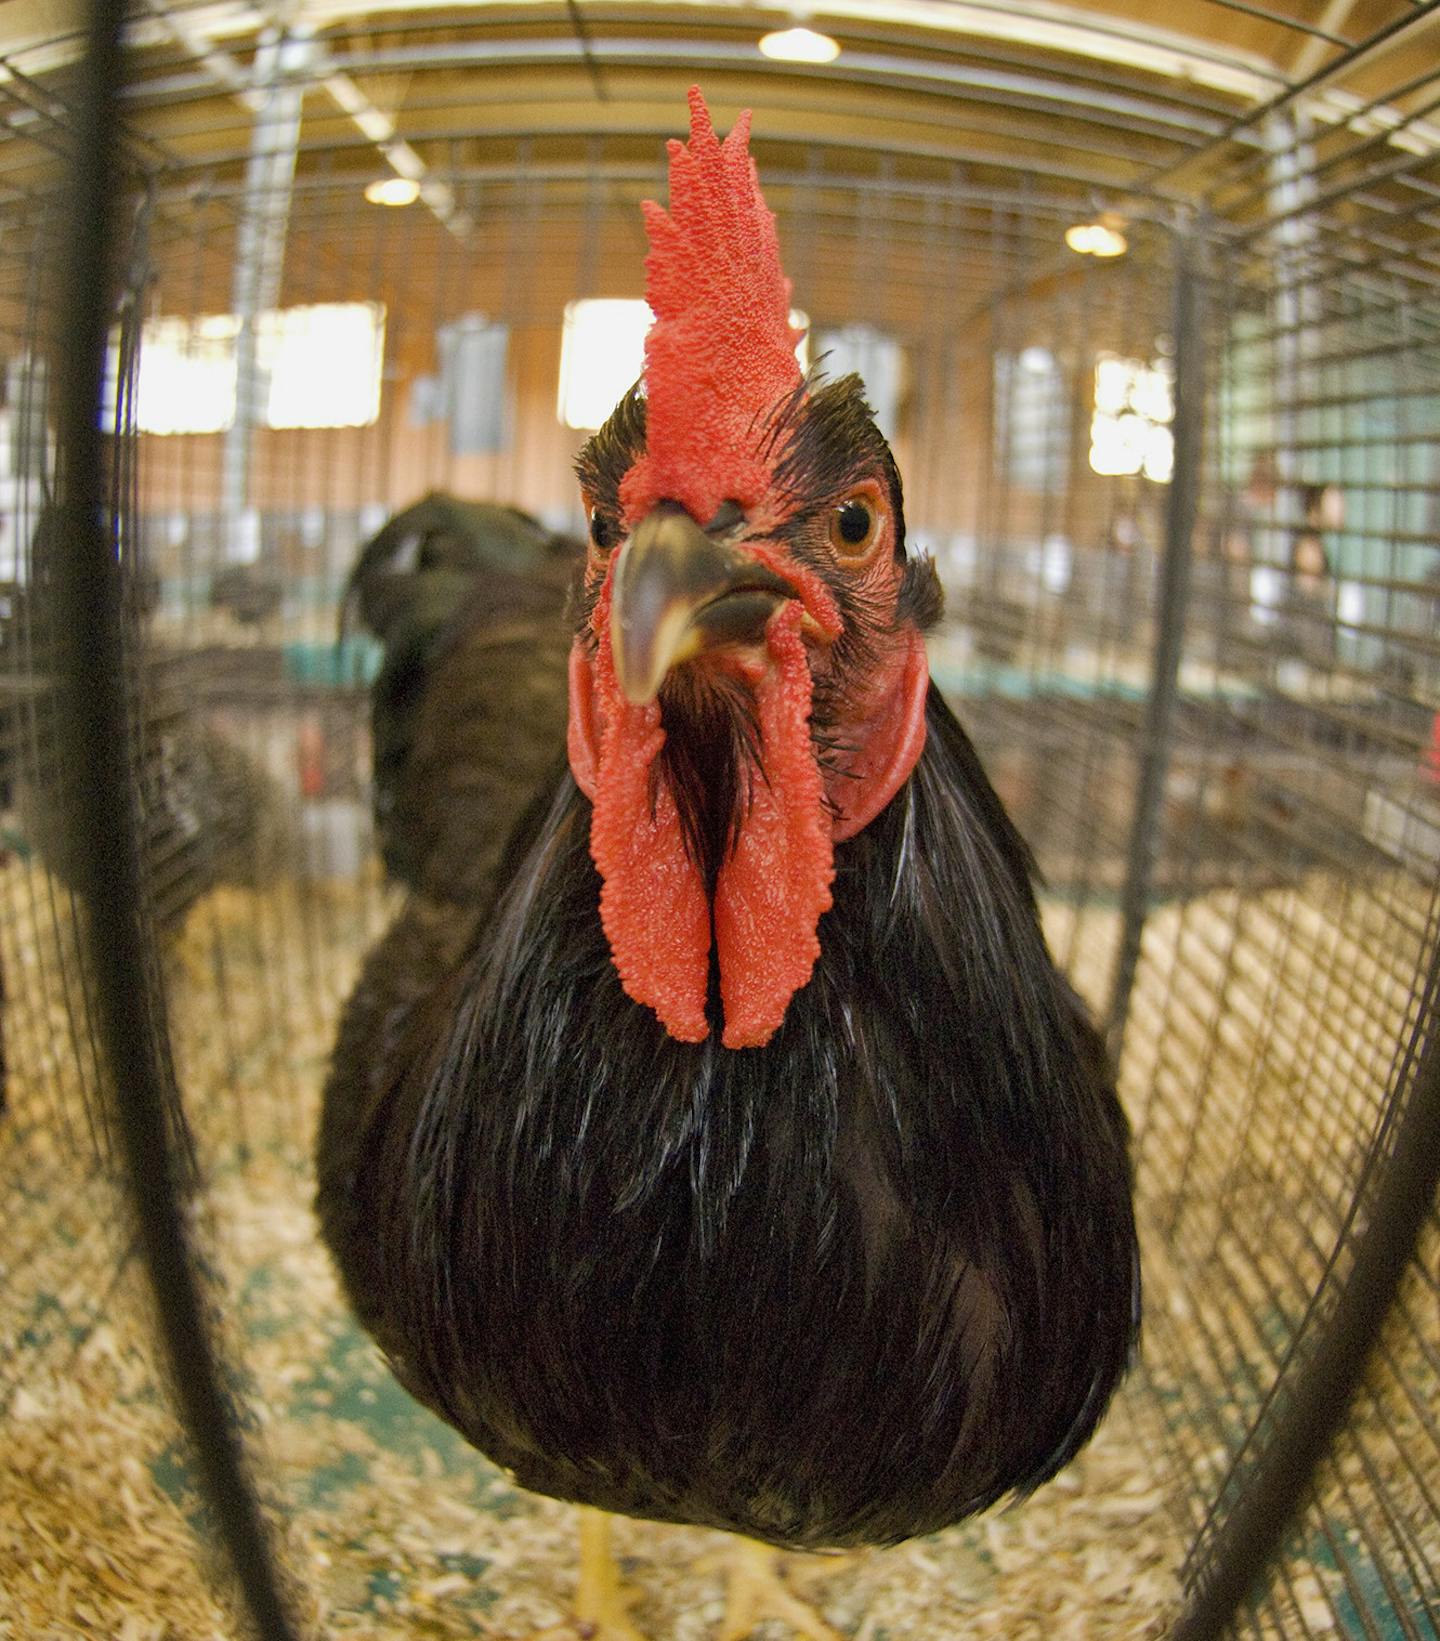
1096 93
1015 115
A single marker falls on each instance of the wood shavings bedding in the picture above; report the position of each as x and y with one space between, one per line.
387 1522
396 1528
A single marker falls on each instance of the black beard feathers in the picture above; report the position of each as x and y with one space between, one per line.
710 760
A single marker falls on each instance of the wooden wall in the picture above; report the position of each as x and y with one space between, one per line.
521 265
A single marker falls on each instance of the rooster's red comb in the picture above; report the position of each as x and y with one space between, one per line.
721 353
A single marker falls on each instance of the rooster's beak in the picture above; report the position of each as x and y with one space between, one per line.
677 591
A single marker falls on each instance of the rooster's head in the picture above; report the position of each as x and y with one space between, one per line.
748 681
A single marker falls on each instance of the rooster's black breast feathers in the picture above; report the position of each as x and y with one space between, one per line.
846 1288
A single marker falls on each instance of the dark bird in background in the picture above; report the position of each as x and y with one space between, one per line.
468 710
208 811
251 595
733 1153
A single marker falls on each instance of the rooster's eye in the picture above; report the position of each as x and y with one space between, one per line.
854 521
854 525
604 531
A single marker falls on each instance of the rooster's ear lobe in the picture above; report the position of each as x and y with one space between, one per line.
881 763
582 733
921 601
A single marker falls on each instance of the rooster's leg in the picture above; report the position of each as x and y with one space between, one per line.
602 1603
756 1590
602 1600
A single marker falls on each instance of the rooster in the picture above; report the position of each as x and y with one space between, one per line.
735 1155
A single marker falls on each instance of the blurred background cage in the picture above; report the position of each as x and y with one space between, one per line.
1151 314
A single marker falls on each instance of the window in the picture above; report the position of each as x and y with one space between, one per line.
1032 418
323 364
602 350
317 366
1130 430
186 380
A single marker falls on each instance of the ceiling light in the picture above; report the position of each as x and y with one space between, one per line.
800 45
1096 239
393 191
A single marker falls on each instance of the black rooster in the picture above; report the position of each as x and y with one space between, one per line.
736 1155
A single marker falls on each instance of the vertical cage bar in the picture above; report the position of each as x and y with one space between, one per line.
1158 731
1400 1196
259 267
89 618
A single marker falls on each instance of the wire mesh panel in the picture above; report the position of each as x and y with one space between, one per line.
1272 1024
1314 620
1184 504
61 1247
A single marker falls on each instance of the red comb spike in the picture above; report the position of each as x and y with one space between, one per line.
721 353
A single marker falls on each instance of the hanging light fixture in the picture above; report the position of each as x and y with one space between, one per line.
1102 238
393 191
799 45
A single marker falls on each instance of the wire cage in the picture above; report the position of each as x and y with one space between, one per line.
1185 502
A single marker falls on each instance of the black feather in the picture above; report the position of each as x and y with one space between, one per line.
611 453
710 758
826 439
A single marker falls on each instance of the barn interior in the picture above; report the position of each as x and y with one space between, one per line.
1148 306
